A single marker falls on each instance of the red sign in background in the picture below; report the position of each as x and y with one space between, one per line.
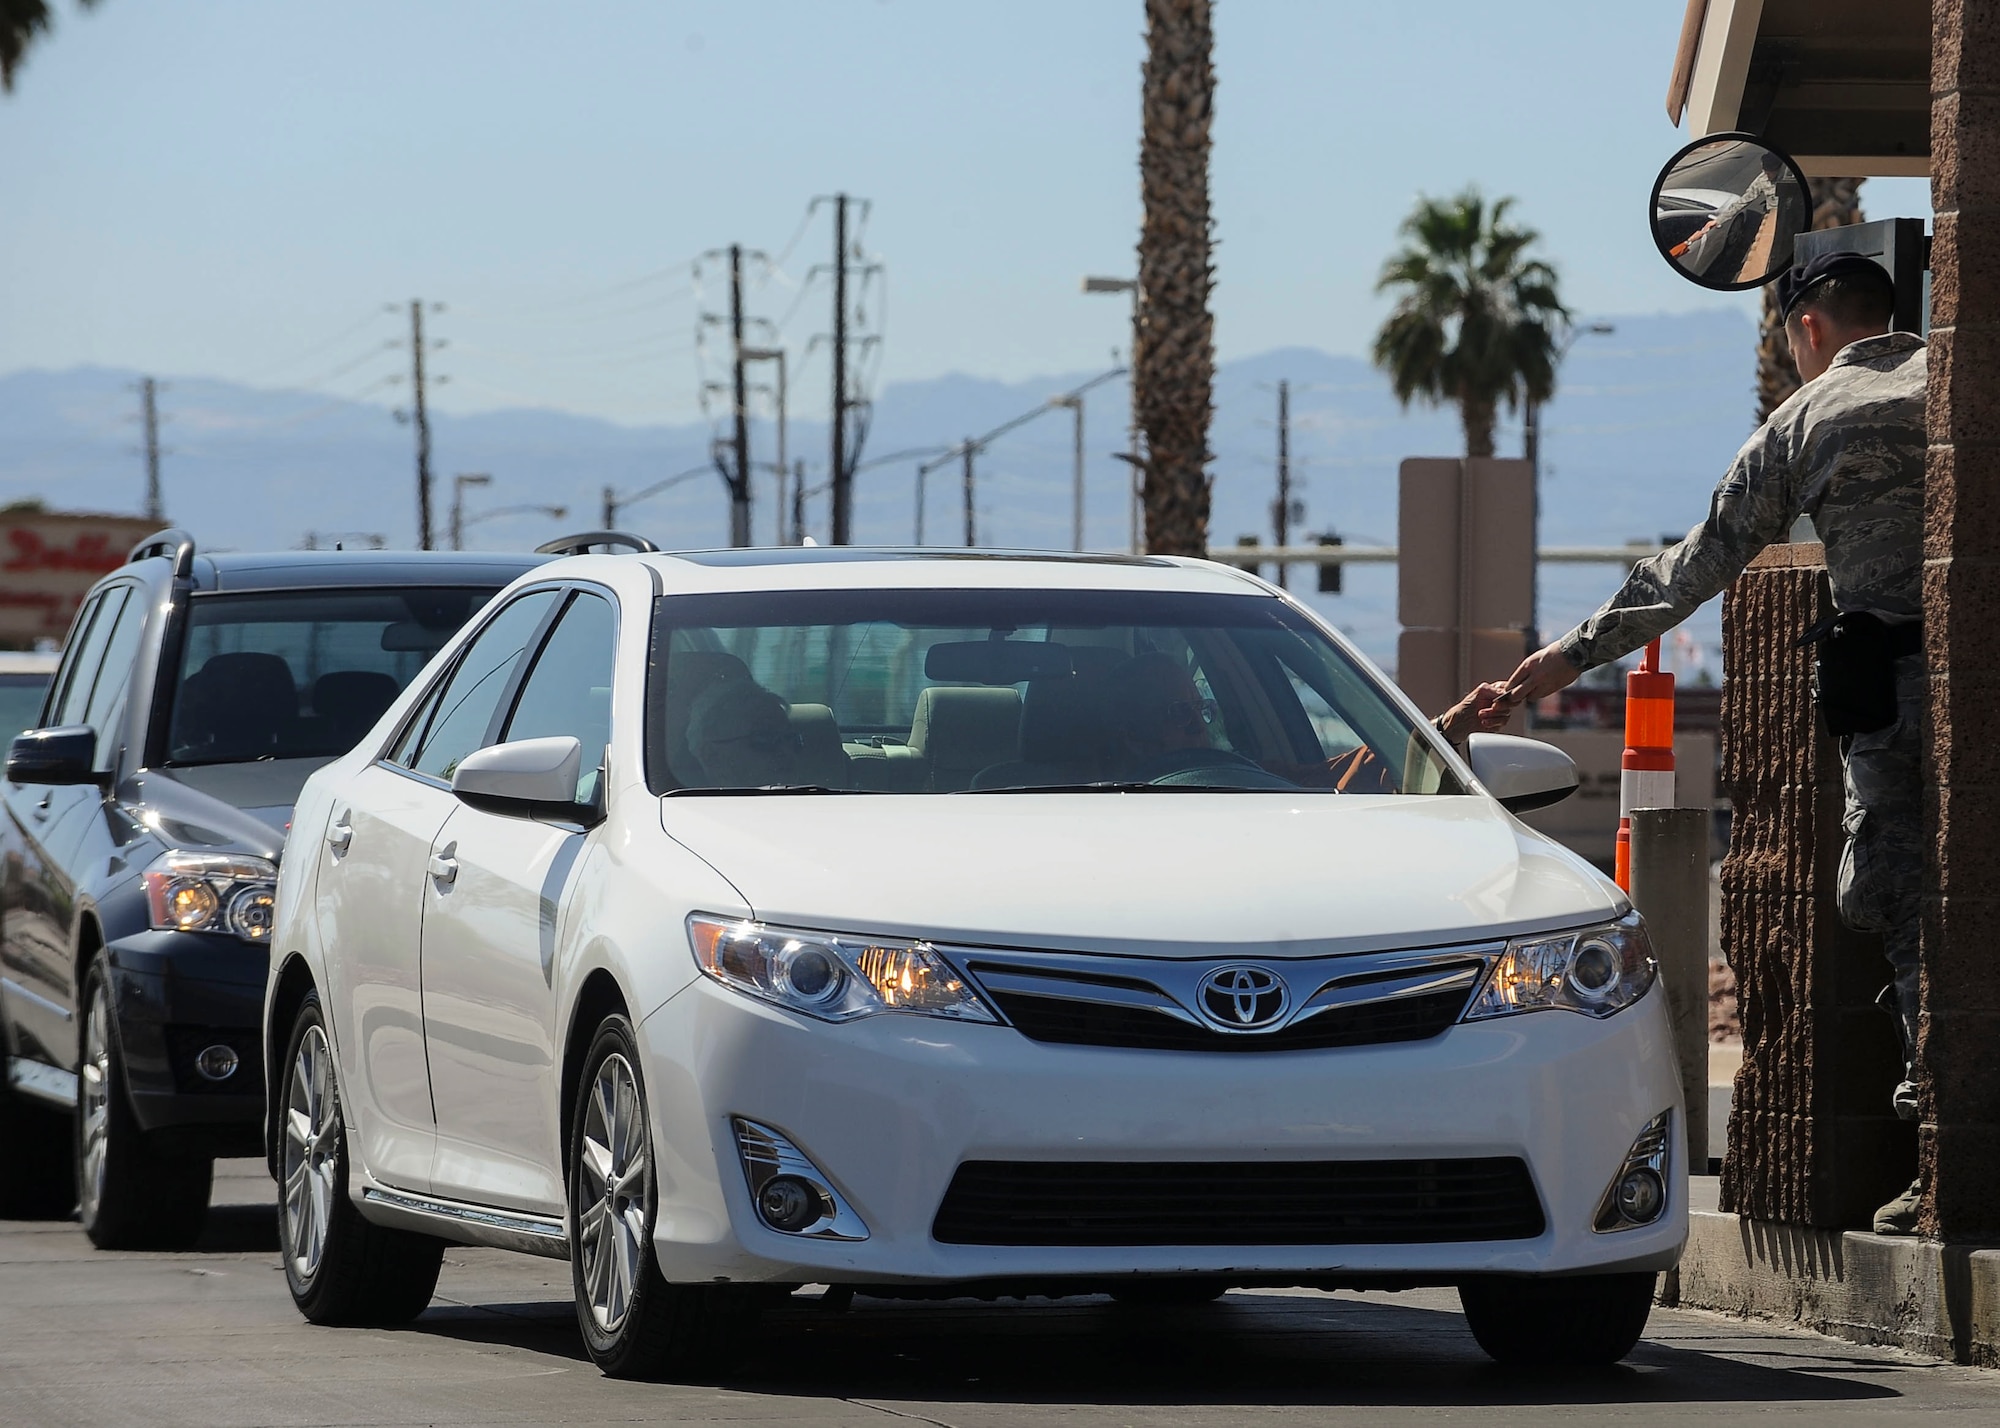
49 560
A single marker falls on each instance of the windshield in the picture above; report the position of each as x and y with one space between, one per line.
992 691
301 673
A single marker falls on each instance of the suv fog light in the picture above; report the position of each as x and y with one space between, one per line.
790 1204
1640 1196
1637 1194
792 1195
216 1063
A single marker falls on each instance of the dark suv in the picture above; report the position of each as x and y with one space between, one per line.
143 822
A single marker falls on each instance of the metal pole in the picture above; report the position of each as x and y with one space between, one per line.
610 509
1670 889
1282 512
155 507
1531 447
798 503
923 475
969 541
739 485
1077 515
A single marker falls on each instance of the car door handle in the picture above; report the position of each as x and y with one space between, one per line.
339 836
42 808
444 867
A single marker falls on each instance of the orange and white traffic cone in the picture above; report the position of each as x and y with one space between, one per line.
1646 772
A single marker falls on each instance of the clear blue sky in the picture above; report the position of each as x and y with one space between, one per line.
235 187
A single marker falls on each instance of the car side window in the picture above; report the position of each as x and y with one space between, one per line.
464 714
114 675
81 677
569 689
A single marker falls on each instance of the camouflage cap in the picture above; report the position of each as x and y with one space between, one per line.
1797 281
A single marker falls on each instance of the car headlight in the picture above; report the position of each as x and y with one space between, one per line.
1597 971
832 976
212 892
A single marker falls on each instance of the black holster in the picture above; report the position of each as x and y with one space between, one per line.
1854 669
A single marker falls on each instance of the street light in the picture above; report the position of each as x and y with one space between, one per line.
554 513
1531 448
1125 285
458 485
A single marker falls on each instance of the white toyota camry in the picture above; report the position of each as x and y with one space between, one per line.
924 924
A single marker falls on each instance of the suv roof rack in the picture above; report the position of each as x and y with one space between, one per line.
596 543
173 541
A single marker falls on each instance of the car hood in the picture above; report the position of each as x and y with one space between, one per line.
1143 873
245 808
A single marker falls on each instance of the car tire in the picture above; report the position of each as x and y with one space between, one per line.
1579 1321
341 1268
37 1159
129 1195
634 1323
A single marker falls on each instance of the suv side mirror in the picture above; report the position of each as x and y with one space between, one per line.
525 778
1523 774
66 755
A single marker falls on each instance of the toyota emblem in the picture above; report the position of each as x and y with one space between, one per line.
1240 997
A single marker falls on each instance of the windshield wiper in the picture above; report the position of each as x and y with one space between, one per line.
1114 786
757 789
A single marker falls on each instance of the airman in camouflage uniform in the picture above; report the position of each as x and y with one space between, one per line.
1846 451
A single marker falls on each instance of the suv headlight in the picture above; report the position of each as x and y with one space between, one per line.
212 892
1597 971
832 976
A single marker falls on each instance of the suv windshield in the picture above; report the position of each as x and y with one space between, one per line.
971 691
301 673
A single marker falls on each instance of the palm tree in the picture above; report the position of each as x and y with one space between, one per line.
1476 320
20 22
1836 202
1173 334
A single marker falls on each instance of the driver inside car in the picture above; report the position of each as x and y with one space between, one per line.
740 734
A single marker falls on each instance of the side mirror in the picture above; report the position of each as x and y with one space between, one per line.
523 778
1726 210
1524 774
67 755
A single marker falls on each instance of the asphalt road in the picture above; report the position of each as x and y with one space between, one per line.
210 1338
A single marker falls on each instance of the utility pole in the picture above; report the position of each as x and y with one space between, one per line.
841 475
423 423
1281 510
798 503
610 509
776 354
739 485
150 414
969 533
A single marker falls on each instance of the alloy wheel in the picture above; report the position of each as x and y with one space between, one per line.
614 1182
312 1148
94 1100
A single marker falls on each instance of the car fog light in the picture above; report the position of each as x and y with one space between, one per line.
1637 1194
792 1195
216 1063
1640 1196
790 1204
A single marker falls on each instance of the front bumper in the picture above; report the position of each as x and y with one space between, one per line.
175 993
890 1106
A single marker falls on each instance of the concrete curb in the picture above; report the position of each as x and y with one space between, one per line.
1931 1298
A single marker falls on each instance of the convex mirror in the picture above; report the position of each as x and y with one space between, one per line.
1726 210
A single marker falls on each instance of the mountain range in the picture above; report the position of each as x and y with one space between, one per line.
1646 419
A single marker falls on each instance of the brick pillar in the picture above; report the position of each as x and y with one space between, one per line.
1812 1139
1961 999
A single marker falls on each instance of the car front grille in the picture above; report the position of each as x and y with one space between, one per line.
1157 1004
1329 1202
